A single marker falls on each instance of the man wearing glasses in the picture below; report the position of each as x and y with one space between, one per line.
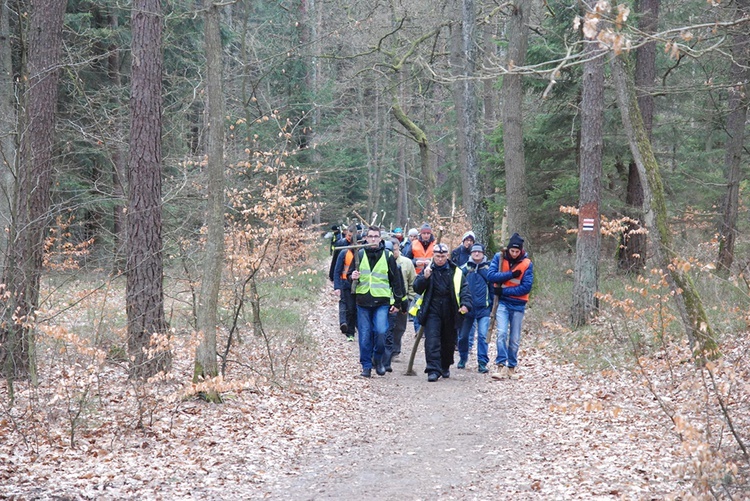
379 289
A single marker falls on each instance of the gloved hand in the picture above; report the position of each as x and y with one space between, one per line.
516 273
404 305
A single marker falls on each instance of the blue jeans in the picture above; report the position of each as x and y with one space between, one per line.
465 335
508 334
372 324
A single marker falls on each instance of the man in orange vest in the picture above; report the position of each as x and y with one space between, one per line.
513 275
421 251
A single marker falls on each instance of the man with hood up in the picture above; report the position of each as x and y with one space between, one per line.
379 290
461 254
513 275
481 308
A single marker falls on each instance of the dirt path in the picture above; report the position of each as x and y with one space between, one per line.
553 434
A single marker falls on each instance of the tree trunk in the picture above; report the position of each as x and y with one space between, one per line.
737 107
119 163
32 196
8 133
634 245
588 243
516 191
147 327
206 365
418 135
689 305
467 113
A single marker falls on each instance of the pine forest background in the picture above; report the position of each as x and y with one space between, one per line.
468 114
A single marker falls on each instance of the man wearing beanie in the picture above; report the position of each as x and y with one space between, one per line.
461 254
513 275
420 252
445 297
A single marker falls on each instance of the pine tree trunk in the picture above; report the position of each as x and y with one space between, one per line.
206 364
145 295
512 116
689 305
23 269
588 243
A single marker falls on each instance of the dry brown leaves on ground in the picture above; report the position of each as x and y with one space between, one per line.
327 434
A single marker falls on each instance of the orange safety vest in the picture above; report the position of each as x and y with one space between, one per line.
419 252
515 282
348 260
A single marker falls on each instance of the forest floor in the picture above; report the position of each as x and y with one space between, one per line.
555 433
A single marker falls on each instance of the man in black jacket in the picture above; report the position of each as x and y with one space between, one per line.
446 297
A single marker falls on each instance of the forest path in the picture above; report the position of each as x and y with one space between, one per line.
553 434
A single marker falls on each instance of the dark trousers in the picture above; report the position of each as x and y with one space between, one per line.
439 341
348 310
396 327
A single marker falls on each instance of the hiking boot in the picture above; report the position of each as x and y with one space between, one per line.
432 377
350 338
344 328
482 369
461 364
366 373
380 369
500 373
512 374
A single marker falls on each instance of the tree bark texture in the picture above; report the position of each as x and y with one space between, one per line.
32 196
206 364
8 134
634 246
467 114
145 295
735 127
688 302
588 243
517 197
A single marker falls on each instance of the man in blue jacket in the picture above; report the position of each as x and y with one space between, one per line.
481 307
513 275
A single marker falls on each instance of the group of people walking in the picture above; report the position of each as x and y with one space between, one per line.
449 295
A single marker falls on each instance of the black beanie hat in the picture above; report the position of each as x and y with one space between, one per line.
516 242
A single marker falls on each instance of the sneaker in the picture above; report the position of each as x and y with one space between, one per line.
512 374
350 338
500 373
366 373
446 373
482 369
388 368
461 364
432 377
344 328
